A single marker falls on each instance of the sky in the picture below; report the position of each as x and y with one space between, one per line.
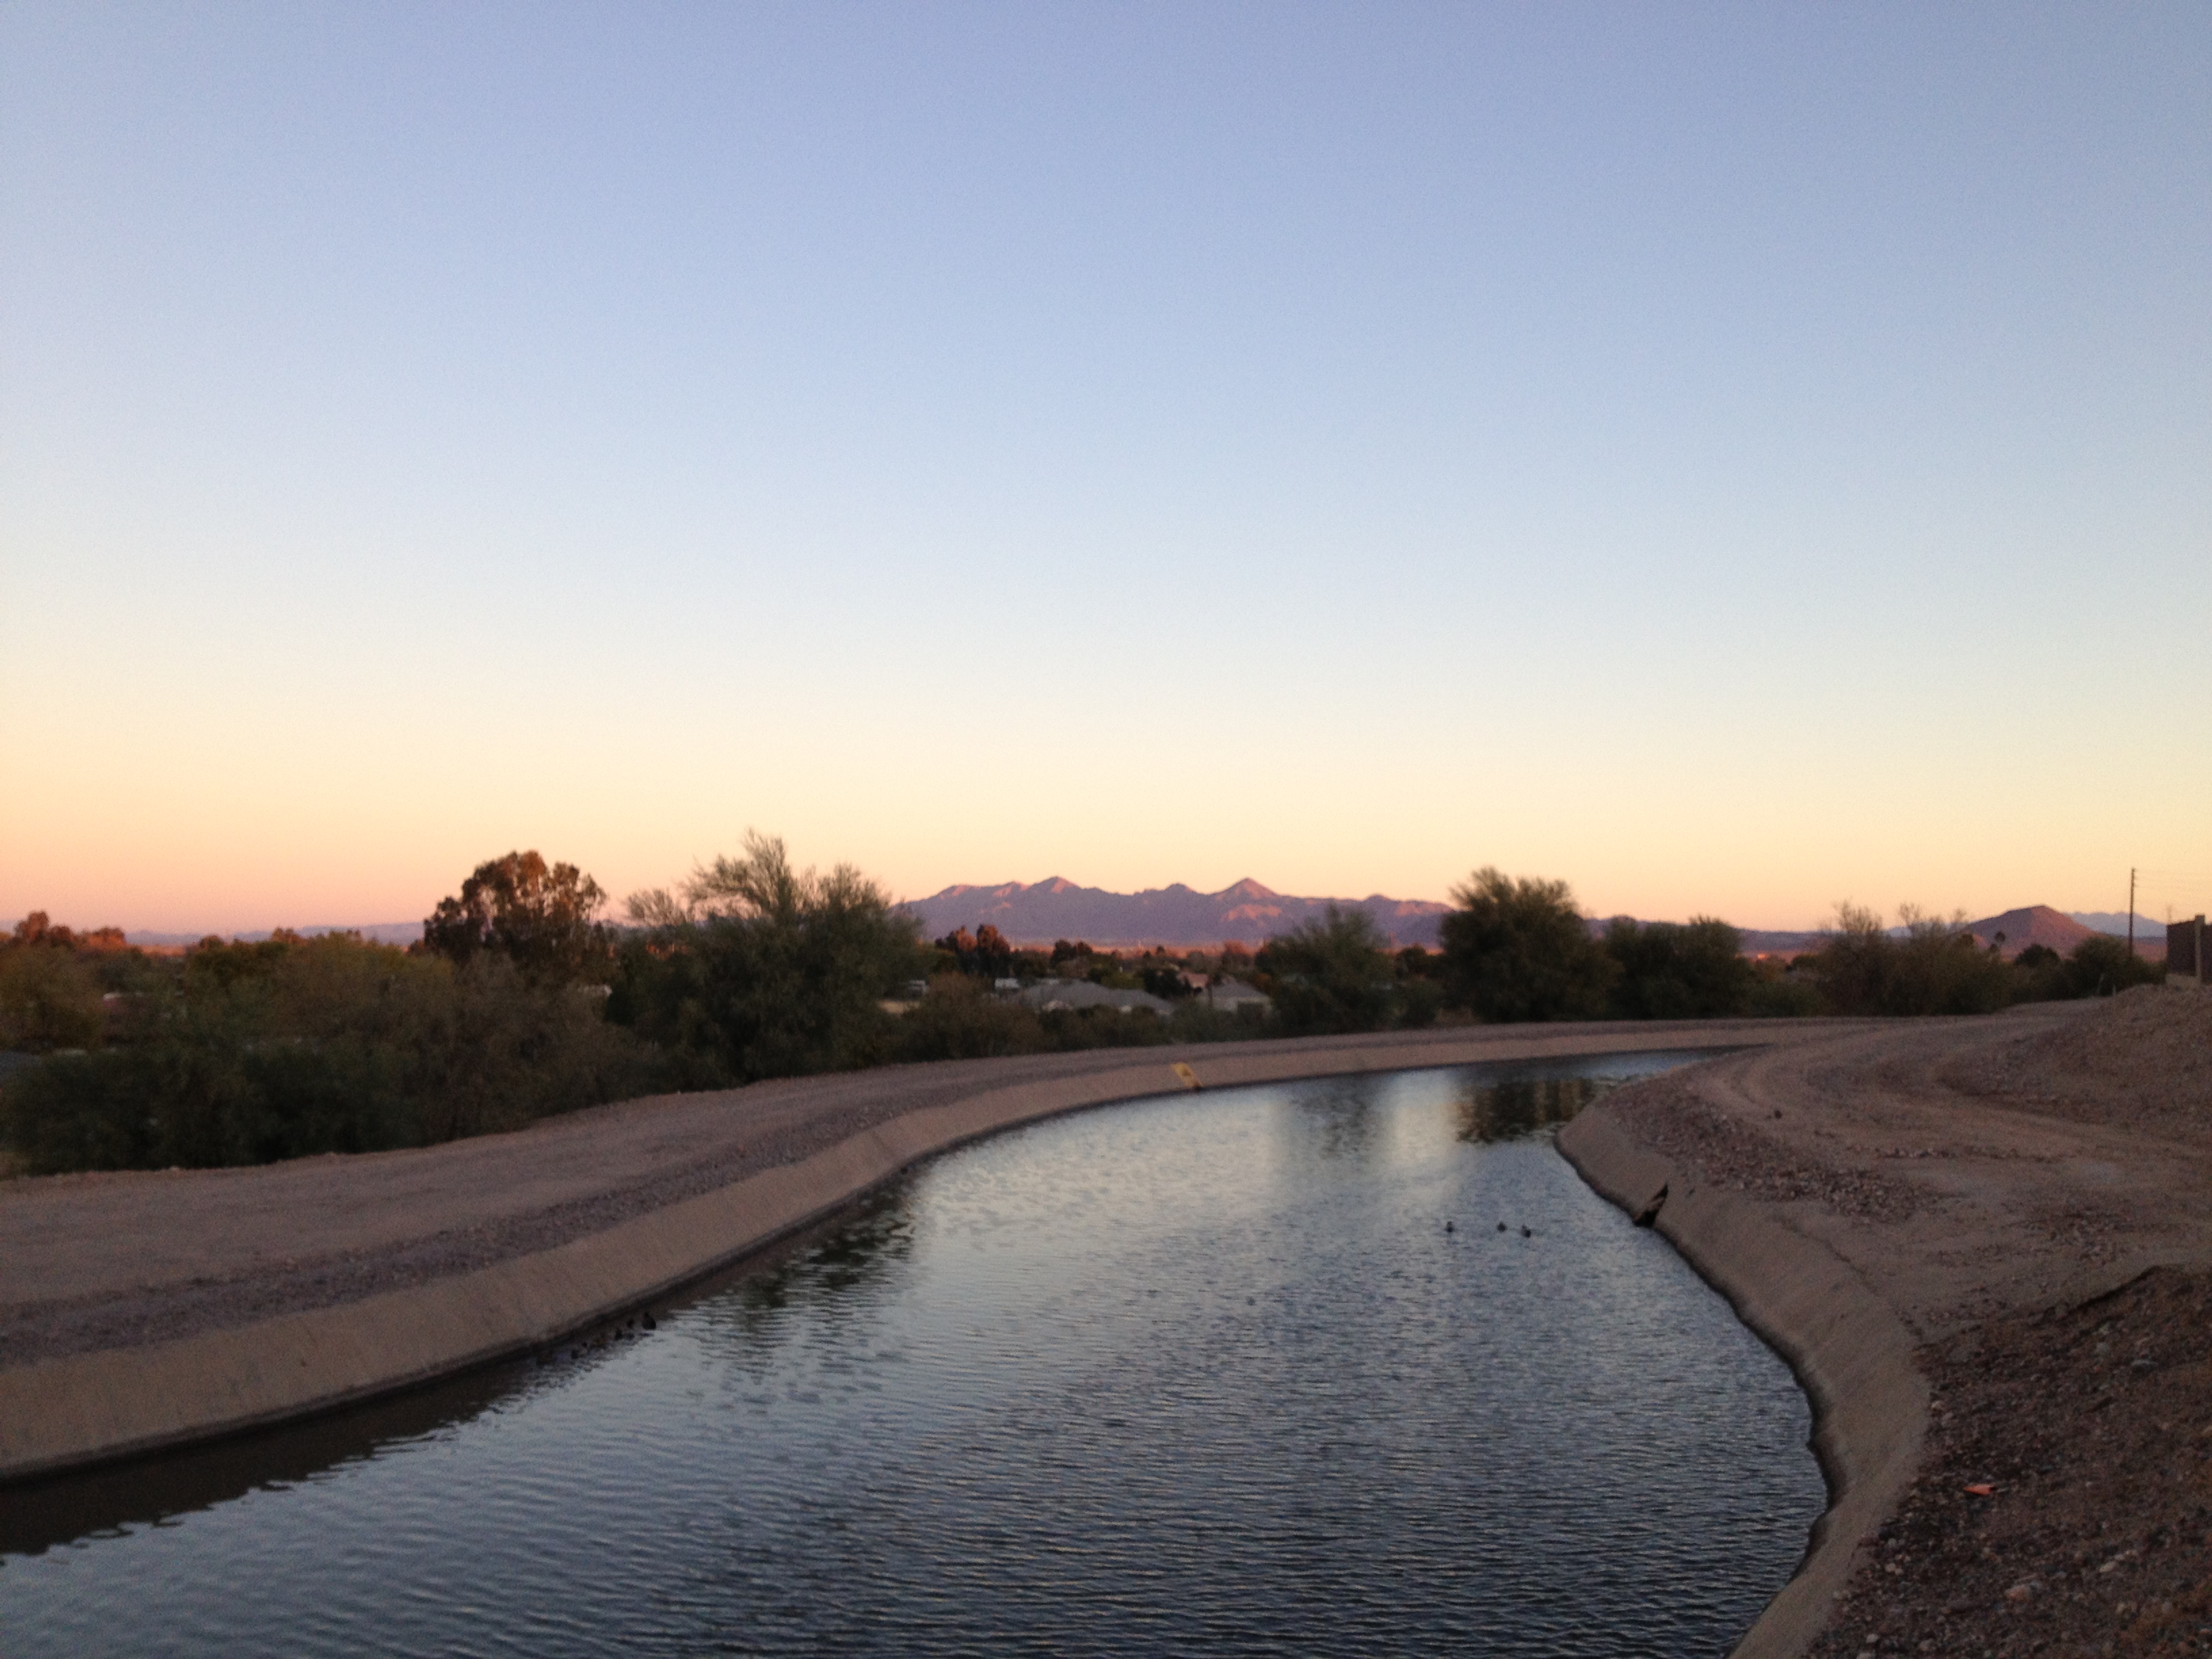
1730 458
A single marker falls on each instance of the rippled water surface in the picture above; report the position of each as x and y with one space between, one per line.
1203 1373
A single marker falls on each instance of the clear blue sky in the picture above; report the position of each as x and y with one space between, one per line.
1730 457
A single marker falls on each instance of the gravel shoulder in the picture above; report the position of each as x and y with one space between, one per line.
2029 1194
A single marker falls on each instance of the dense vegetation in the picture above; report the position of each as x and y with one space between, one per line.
1517 949
521 1000
754 970
1935 967
247 1053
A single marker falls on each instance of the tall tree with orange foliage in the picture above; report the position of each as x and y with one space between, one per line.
543 918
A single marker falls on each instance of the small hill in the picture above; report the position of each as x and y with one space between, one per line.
2058 930
2038 924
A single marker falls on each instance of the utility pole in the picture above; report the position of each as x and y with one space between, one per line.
2132 912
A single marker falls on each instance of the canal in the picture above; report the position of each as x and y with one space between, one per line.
1346 1366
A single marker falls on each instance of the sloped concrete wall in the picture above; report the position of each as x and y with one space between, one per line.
1852 1355
117 1403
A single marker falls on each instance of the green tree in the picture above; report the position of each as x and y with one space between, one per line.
768 971
1518 950
216 965
542 918
1332 973
2101 965
1855 967
984 953
1669 971
50 997
1932 967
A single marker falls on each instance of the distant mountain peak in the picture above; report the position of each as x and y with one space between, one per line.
2039 924
1175 915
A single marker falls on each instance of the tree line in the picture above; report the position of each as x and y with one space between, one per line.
522 999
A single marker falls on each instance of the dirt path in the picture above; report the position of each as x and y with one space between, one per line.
2032 1195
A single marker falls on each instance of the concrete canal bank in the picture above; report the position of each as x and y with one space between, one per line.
148 1310
1857 1191
1949 1228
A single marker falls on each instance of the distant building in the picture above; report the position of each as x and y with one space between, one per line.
2185 949
1232 994
1081 994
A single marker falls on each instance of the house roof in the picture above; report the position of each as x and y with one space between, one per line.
1228 992
1082 994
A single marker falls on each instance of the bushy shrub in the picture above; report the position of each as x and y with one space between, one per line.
759 970
201 1096
1331 973
1670 971
326 1045
1518 950
2104 966
1936 968
1420 1000
1197 1021
1066 1028
961 1019
1779 996
49 999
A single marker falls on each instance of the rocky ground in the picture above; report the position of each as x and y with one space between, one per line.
2033 1195
2064 1500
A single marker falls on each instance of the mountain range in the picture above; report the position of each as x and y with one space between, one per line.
1179 916
1182 918
384 932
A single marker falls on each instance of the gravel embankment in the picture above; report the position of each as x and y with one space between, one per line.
2029 1193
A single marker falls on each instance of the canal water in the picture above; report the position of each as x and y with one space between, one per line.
1350 1366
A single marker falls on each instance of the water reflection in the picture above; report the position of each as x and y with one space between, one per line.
812 1268
1508 1111
109 1502
1340 1124
1535 1099
1207 1371
866 1243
